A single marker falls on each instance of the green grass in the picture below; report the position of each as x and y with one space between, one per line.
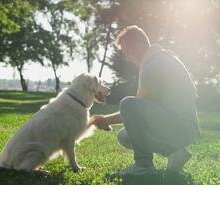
102 155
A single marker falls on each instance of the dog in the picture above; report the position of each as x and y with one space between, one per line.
56 126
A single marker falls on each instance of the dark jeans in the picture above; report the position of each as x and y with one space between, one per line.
152 129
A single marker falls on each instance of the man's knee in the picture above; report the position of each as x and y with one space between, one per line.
127 104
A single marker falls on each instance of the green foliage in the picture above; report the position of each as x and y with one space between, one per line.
88 32
82 9
31 42
13 16
102 155
11 12
58 43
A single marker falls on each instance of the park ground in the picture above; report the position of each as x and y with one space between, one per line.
101 154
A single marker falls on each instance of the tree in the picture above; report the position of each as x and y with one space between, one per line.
175 25
12 15
11 12
30 41
105 19
87 32
95 30
19 44
89 44
57 42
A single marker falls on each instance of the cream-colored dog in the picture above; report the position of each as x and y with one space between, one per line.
56 126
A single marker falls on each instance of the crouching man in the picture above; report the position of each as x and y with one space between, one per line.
162 117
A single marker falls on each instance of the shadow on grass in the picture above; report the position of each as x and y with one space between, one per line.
18 95
12 177
24 108
16 101
159 178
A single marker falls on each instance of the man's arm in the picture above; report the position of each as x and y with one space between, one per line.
113 118
151 79
104 121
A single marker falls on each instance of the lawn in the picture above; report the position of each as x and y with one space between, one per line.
102 155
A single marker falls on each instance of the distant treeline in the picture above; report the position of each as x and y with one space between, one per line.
43 86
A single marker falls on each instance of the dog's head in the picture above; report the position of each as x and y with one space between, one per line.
95 86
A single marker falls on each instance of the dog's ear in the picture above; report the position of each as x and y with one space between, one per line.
92 83
78 78
96 79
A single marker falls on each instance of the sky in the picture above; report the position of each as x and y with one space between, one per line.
36 72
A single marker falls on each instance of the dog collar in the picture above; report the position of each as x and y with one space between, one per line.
77 100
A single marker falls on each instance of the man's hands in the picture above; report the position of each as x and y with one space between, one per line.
100 121
104 121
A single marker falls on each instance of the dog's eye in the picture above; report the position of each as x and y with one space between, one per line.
104 83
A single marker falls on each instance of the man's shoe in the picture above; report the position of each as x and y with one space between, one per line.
135 170
177 160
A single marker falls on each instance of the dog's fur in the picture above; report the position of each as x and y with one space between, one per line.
56 126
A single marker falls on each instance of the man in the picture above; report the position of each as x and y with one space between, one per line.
162 118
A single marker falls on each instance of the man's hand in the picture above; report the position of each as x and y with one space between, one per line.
100 122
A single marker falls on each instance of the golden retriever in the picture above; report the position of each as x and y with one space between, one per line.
56 126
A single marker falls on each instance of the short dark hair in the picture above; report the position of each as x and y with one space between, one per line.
130 34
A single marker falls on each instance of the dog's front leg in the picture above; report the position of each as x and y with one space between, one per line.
69 151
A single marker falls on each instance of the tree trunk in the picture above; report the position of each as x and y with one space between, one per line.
88 60
38 86
57 80
57 87
88 51
24 85
106 49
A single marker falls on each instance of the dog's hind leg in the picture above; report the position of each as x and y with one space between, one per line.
69 152
30 161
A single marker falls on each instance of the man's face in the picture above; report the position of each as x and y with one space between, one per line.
127 52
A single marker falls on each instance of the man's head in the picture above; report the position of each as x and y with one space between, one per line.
133 42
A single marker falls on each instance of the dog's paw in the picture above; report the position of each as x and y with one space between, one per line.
108 128
77 169
104 127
